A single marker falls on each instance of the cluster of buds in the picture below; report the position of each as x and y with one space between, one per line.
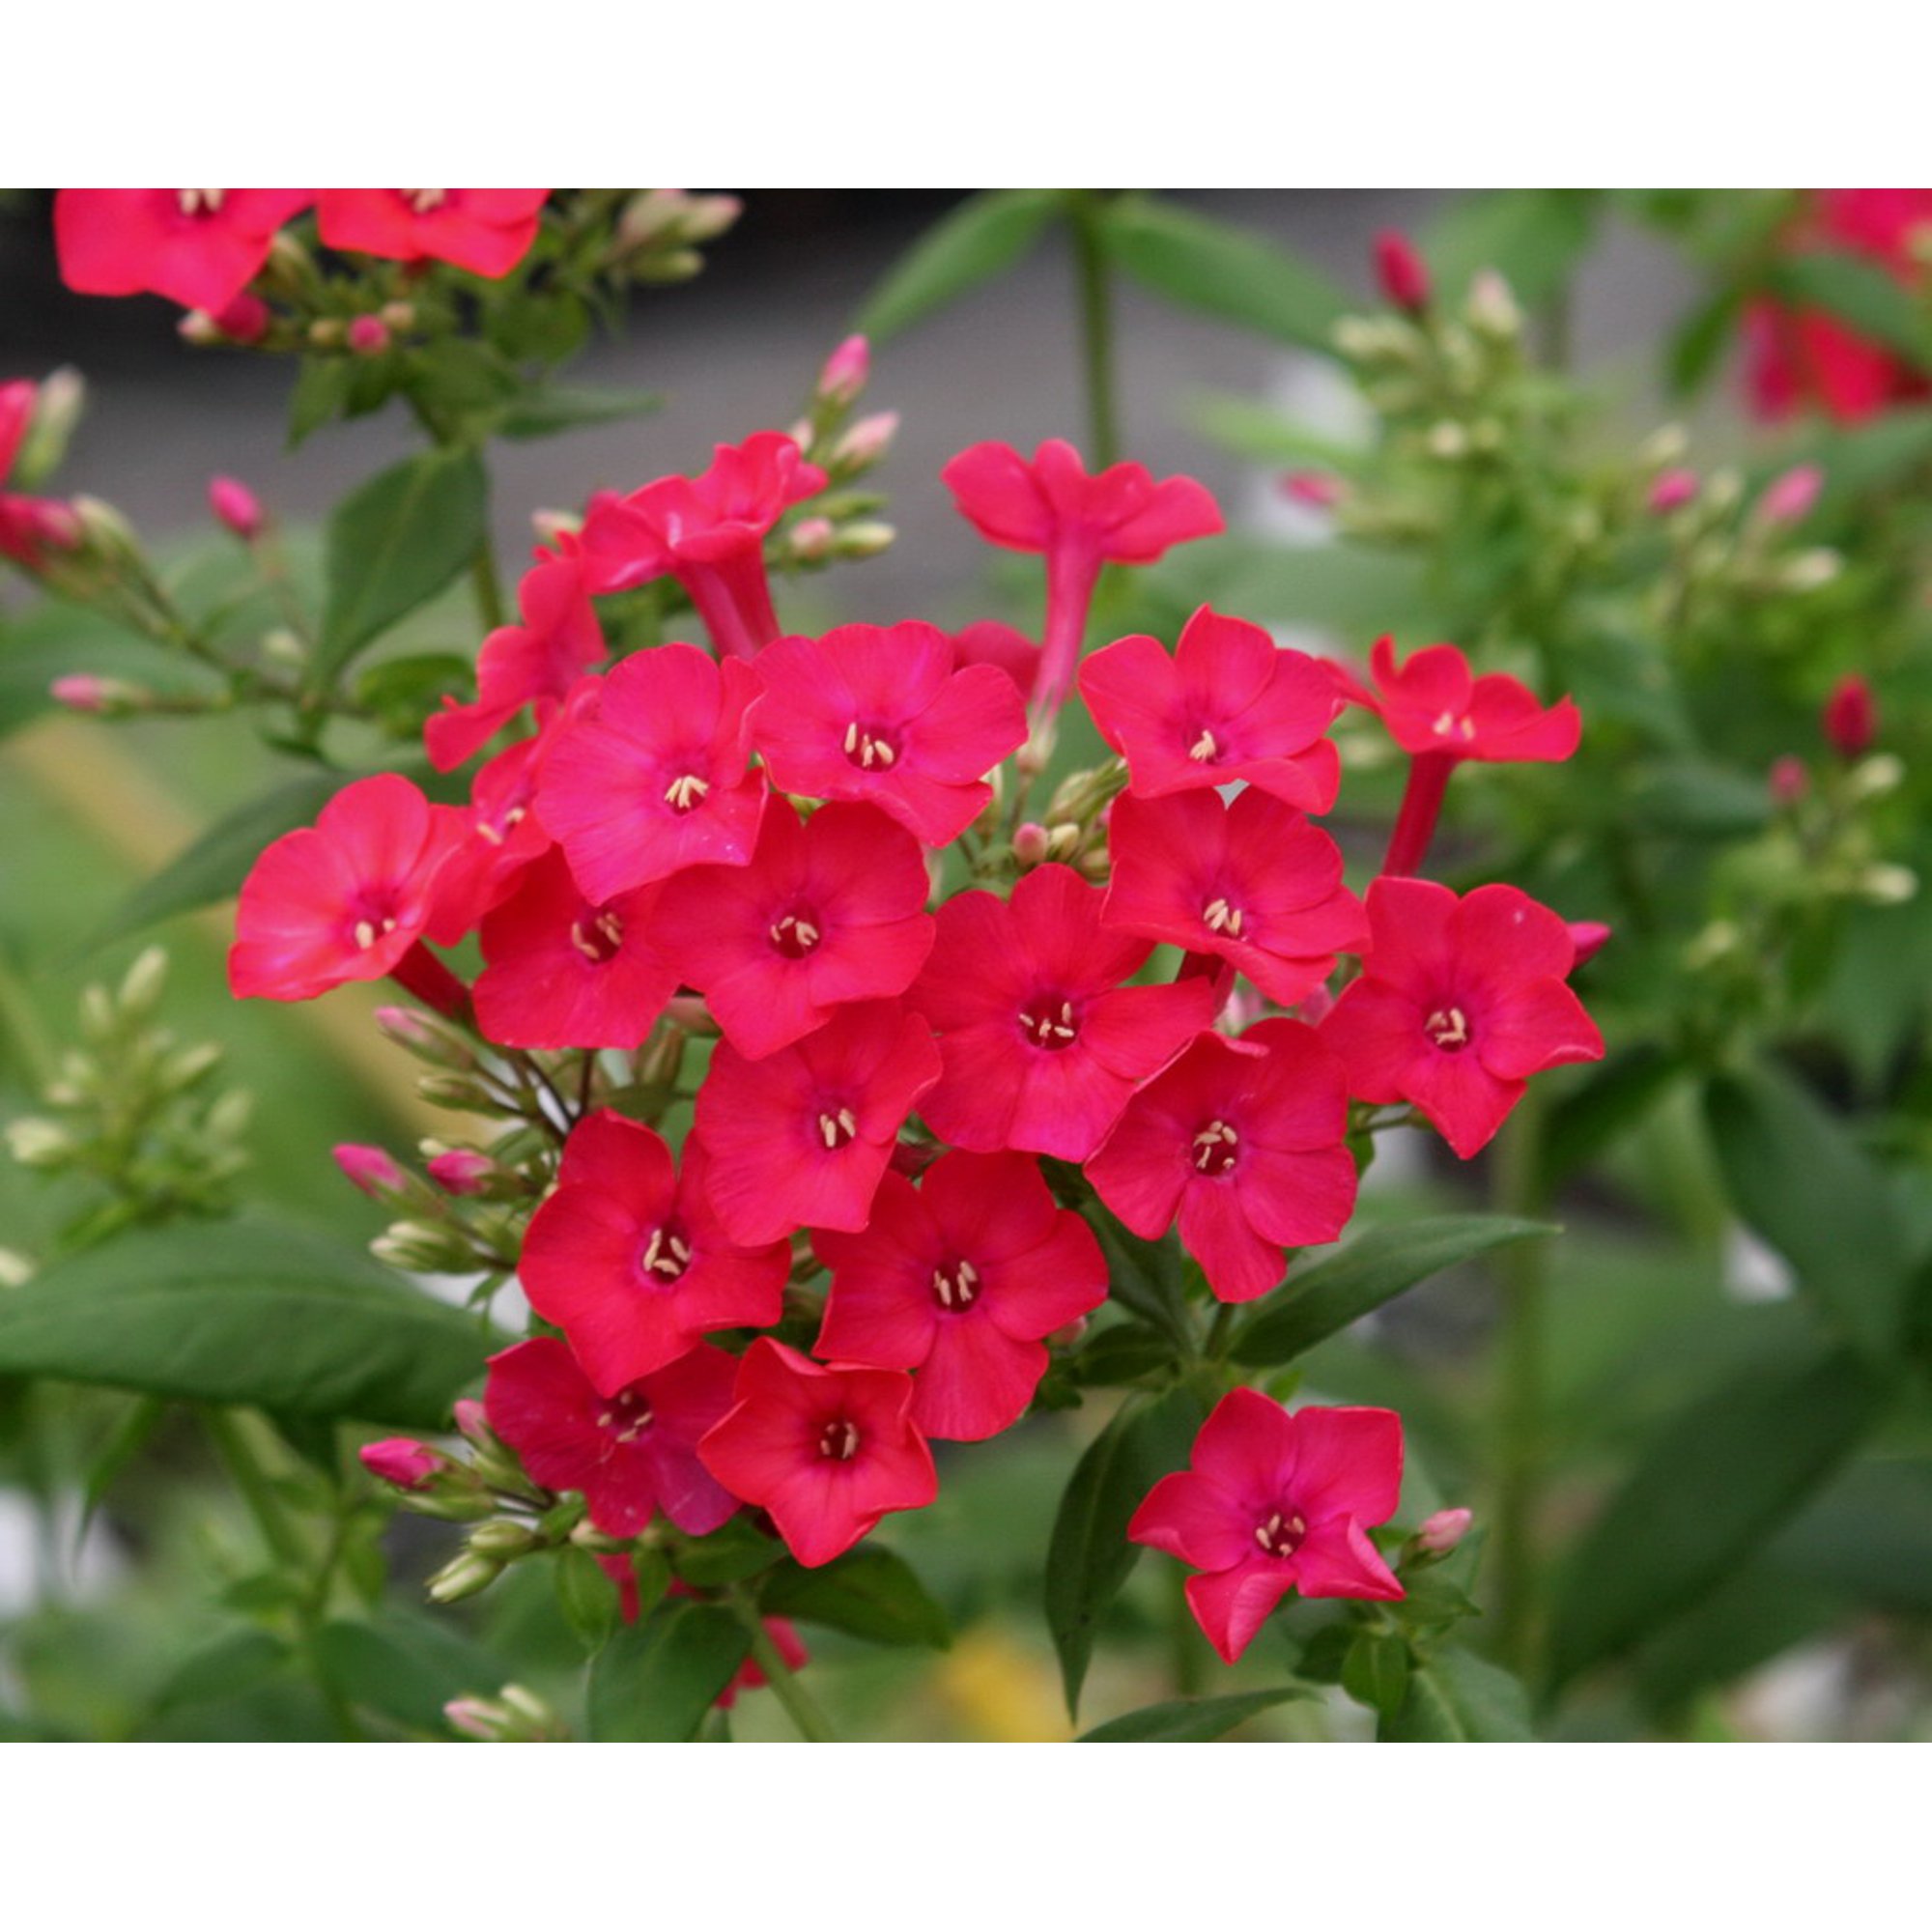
515 1715
660 231
843 522
137 1111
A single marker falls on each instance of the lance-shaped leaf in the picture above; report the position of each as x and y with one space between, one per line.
1456 1697
243 1311
1860 294
867 1593
1532 237
983 237
1190 1720
655 1682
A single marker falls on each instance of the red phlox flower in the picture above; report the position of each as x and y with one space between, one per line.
1798 357
881 716
486 230
562 970
537 661
1435 702
1078 522
991 642
200 246
1041 1040
345 899
29 526
1227 705
709 533
502 836
627 1257
826 1452
655 778
961 1279
827 911
1273 1502
1460 1002
801 1137
1244 1140
1253 882
631 1454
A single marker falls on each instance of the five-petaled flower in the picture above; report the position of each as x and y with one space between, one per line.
200 246
1078 522
824 1451
960 1280
1460 1002
630 1455
1274 1502
486 230
1242 1140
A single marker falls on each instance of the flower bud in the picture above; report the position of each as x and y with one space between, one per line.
1664 446
1315 488
457 1092
1812 570
1444 1530
461 1170
846 373
327 332
1874 777
513 1717
368 335
58 402
462 1578
245 321
417 1248
501 1538
15 1268
1792 495
142 984
237 506
706 216
401 1463
866 539
1887 885
1448 441
1068 1333
1788 780
37 1143
370 1168
811 538
98 696
104 529
399 315
1492 310
1402 272
1589 936
864 443
1849 717
1031 844
1672 491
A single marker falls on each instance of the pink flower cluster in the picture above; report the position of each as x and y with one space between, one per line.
752 832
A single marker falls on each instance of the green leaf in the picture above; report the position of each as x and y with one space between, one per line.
1795 1174
588 1597
1607 1103
1189 1720
215 865
321 394
1243 278
868 1592
1375 1267
1145 1276
1720 1478
982 237
1702 800
402 691
1456 1697
403 1668
1089 1556
727 1556
50 639
655 1682
394 542
243 1312
235 1661
1859 292
1699 342
1376 1672
1532 237
557 406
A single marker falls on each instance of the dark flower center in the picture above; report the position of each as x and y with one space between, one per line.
1281 1534
1049 1020
796 933
838 1129
1221 914
1206 748
839 1441
665 1256
626 1415
598 935
1216 1149
375 917
686 792
1448 1027
956 1285
869 748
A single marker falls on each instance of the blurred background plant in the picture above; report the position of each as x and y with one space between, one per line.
1692 1429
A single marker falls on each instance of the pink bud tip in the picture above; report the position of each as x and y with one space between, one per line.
1315 488
237 506
369 1168
846 371
1672 491
866 440
82 691
1031 844
470 1421
1065 1337
1588 936
811 536
245 320
1444 1530
474 1718
403 1024
400 1463
1401 271
369 336
1850 717
1792 495
461 1171
1788 780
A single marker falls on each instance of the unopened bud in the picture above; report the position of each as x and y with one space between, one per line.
846 373
398 315
1887 885
811 538
371 1169
187 1066
587 1536
1448 441
368 335
464 1577
1812 570
103 528
327 332
282 646
1874 776
1663 447
866 539
1788 780
1492 309
401 1463
142 984
98 696
15 1268
1441 1532
245 321
501 1538
37 1143
671 264
58 402
706 216
1315 488
1068 1333
417 1248
1402 272
864 443
1672 491
462 1171
1792 495
1031 844
1849 718
237 506
513 1717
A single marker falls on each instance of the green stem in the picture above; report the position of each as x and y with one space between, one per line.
801 1707
1097 326
237 1453
1523 1274
489 593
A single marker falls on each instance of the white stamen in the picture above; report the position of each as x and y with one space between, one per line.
958 1288
1221 917
1204 748
1214 1148
1449 1027
424 200
201 200
683 794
